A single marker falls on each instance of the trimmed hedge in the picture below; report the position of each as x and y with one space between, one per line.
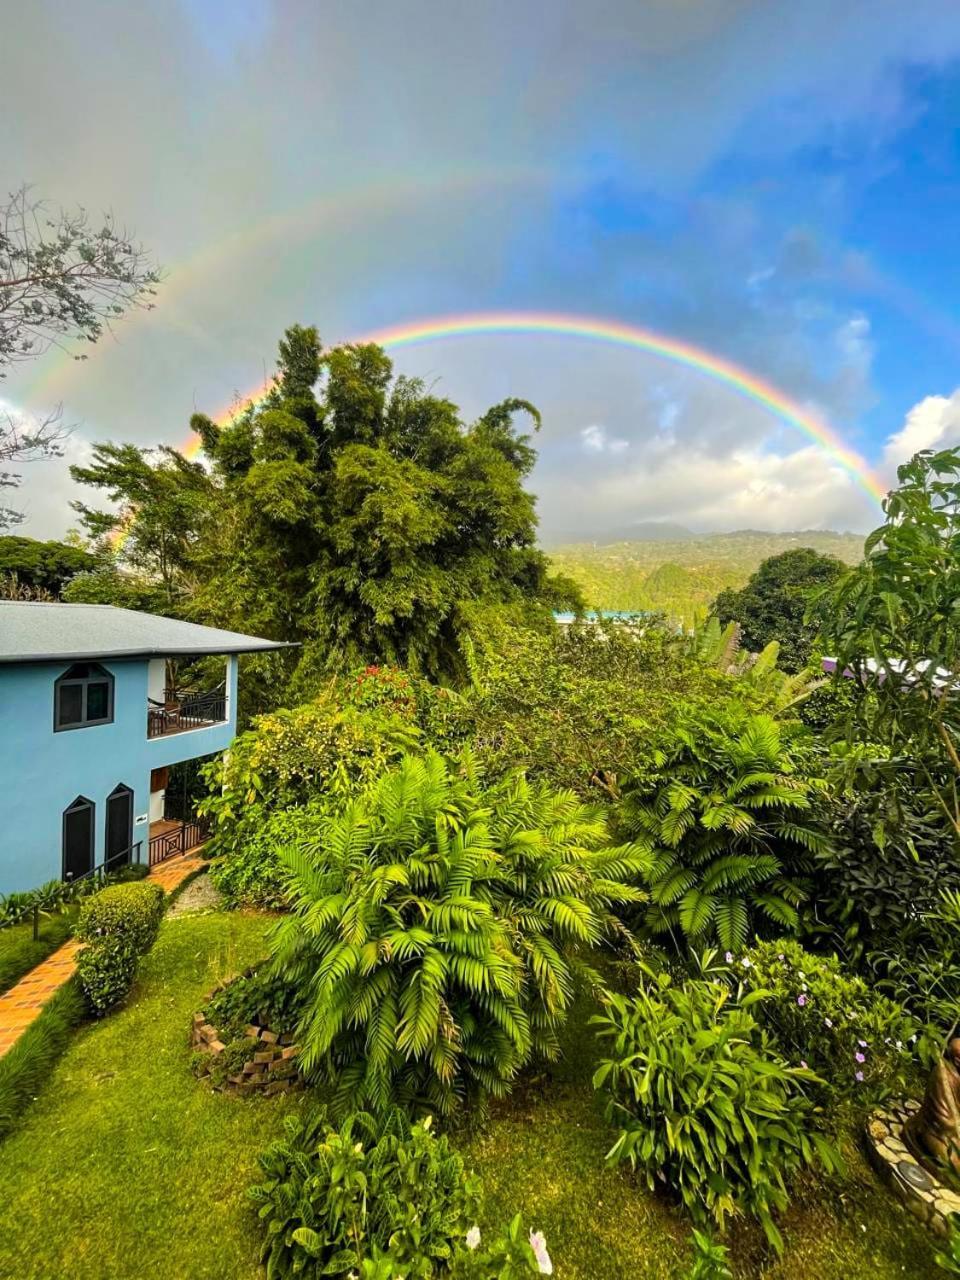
25 1068
118 925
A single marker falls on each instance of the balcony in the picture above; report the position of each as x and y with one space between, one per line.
182 710
170 839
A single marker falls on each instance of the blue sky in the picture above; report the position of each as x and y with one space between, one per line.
777 183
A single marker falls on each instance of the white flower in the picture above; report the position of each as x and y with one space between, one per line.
746 962
538 1244
473 1237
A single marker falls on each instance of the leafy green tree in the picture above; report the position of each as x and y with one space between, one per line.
894 625
775 604
164 503
48 565
438 929
589 706
730 827
365 520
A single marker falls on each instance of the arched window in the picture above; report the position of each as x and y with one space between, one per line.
83 696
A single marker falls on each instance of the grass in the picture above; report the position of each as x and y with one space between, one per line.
19 953
25 1067
127 1166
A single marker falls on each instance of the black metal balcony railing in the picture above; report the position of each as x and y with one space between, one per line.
180 840
186 711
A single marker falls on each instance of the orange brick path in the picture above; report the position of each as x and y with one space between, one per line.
23 1002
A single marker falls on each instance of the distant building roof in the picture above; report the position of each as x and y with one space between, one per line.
41 632
618 615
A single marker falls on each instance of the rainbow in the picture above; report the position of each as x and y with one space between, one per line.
615 333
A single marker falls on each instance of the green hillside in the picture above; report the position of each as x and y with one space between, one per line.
682 577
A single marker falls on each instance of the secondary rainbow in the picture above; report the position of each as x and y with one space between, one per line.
615 333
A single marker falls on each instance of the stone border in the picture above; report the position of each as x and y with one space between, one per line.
271 1070
925 1196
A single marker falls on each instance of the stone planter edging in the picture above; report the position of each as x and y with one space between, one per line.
271 1070
925 1196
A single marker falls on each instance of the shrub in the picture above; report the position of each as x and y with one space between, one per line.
855 1039
332 1197
437 931
257 996
26 1066
729 824
117 925
700 1097
251 874
290 760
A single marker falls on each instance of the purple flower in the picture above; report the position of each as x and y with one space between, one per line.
859 1057
862 1044
801 1001
729 957
858 1076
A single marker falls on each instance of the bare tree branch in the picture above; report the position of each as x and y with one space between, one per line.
62 278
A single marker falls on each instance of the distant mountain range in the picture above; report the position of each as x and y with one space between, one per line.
679 572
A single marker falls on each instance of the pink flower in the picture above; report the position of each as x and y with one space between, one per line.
858 1076
538 1244
801 1001
859 1057
803 1064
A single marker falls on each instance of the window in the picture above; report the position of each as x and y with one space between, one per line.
83 696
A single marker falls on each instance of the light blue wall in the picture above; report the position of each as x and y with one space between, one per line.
42 772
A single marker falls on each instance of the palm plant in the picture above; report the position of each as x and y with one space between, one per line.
730 831
438 930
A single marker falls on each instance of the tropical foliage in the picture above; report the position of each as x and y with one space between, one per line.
438 930
857 1041
776 604
699 1095
894 625
731 831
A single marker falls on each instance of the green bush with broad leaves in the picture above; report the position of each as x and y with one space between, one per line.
305 757
438 929
730 824
117 926
377 1198
699 1095
858 1042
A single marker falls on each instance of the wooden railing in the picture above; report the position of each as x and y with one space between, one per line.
180 840
187 711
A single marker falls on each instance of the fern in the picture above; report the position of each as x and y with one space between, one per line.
437 930
729 833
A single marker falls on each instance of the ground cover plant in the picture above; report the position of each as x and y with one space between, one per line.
20 951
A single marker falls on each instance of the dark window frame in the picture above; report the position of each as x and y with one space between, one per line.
95 674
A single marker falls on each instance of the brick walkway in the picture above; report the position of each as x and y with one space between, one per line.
23 1002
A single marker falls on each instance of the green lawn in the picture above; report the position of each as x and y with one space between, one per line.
127 1167
19 953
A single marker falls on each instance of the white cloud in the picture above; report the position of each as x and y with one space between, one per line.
934 422
597 440
748 488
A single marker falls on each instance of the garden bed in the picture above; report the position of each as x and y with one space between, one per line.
260 1061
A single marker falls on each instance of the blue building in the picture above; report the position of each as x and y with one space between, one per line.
91 721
